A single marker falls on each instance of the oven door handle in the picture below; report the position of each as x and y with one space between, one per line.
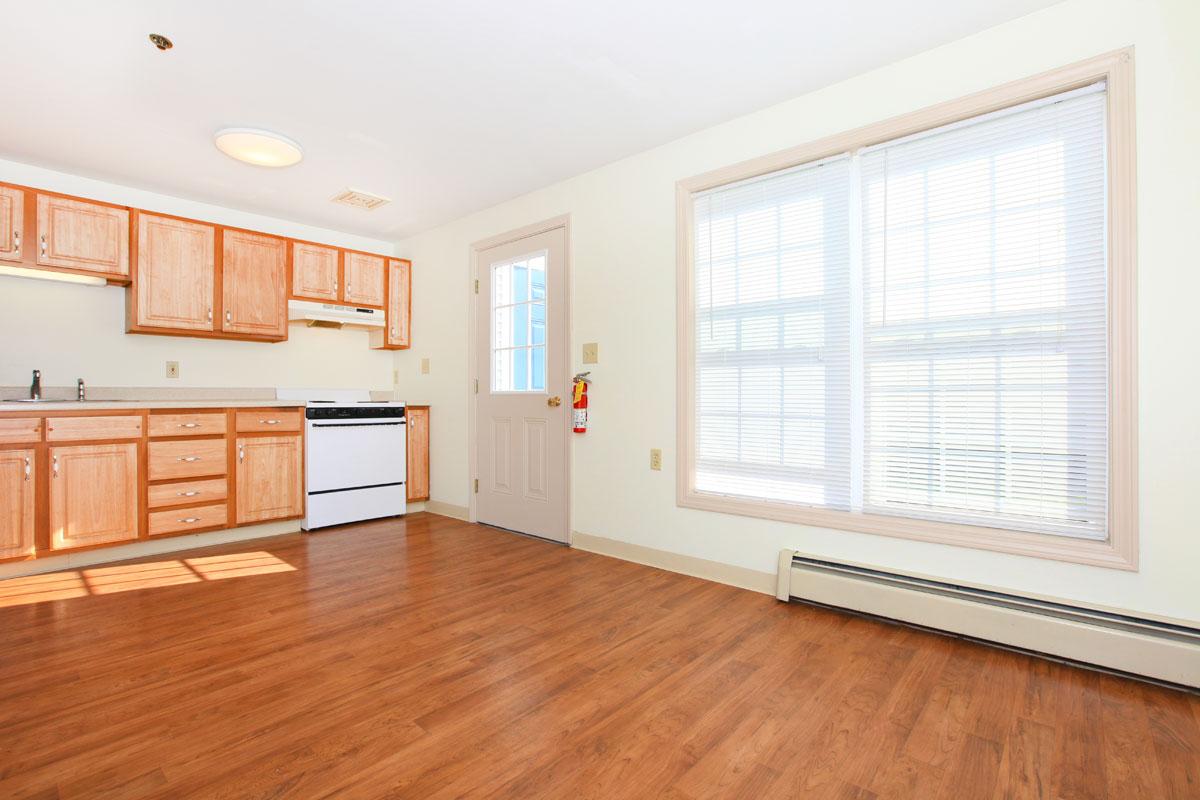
354 424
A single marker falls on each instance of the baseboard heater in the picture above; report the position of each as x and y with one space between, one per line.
1156 649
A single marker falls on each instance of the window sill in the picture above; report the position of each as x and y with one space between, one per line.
1114 553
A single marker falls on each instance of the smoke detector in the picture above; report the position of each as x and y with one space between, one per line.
357 199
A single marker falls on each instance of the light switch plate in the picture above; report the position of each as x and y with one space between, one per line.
424 366
655 458
172 369
591 353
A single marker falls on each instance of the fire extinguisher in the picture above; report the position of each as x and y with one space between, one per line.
579 401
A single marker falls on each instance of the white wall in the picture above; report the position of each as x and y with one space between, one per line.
70 331
623 251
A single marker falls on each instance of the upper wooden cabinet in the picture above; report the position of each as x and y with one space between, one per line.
93 494
397 335
254 284
364 279
12 223
315 272
270 480
17 498
90 237
173 275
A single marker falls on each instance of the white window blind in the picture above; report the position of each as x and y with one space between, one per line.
915 329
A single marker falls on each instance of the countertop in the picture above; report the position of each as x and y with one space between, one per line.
18 409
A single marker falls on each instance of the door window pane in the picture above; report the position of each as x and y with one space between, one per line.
519 324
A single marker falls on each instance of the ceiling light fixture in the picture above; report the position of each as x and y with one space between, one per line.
258 147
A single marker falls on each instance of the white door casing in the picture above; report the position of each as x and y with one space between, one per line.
523 402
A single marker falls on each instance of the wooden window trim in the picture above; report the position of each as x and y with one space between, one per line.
1120 550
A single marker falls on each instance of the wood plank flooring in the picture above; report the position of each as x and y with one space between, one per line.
429 658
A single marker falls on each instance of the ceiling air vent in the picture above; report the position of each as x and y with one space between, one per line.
357 199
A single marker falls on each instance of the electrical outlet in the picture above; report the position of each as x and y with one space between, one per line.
591 353
655 458
424 366
172 369
395 376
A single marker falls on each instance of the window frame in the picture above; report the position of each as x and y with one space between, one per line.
1120 549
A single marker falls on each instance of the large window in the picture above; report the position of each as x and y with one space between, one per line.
915 334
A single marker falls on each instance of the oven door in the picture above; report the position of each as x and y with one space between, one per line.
349 454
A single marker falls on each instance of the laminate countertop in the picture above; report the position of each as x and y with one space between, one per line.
13 408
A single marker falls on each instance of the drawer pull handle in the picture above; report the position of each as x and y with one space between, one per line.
189 424
241 454
27 468
268 422
186 494
190 520
189 459
43 245
17 242
54 463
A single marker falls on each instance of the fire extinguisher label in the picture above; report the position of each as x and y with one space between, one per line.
580 417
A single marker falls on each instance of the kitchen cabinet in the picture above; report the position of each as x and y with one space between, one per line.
173 275
396 334
418 452
364 279
270 480
77 429
253 284
315 272
83 236
93 494
18 478
12 223
185 458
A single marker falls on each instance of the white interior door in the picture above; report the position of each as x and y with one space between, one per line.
523 399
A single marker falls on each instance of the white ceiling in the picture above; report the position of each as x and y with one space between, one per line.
445 107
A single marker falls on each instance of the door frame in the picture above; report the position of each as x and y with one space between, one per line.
562 221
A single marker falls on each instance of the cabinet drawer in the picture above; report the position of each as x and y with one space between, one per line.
164 495
70 429
175 520
268 421
186 424
187 458
13 431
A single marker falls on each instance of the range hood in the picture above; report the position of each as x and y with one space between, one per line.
332 315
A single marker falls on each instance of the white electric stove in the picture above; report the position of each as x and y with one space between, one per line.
355 456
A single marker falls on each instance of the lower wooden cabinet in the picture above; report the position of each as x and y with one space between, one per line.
418 452
93 494
18 477
270 478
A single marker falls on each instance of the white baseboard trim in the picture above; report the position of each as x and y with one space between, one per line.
448 509
716 571
151 547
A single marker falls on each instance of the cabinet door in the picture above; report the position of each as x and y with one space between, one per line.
364 280
253 284
314 272
176 266
399 307
93 494
79 235
12 222
16 503
418 452
269 478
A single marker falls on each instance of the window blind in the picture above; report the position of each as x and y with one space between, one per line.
915 329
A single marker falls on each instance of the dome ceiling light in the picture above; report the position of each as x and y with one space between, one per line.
258 147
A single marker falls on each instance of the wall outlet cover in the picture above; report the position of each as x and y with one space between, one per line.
172 369
591 353
424 366
655 458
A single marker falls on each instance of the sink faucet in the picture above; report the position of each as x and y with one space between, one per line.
81 390
35 388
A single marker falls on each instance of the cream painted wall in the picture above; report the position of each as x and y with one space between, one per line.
623 251
70 331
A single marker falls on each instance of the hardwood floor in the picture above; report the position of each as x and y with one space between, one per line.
429 658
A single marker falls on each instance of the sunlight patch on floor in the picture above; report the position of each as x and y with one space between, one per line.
129 577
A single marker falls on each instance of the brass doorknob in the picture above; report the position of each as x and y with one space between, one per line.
554 402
